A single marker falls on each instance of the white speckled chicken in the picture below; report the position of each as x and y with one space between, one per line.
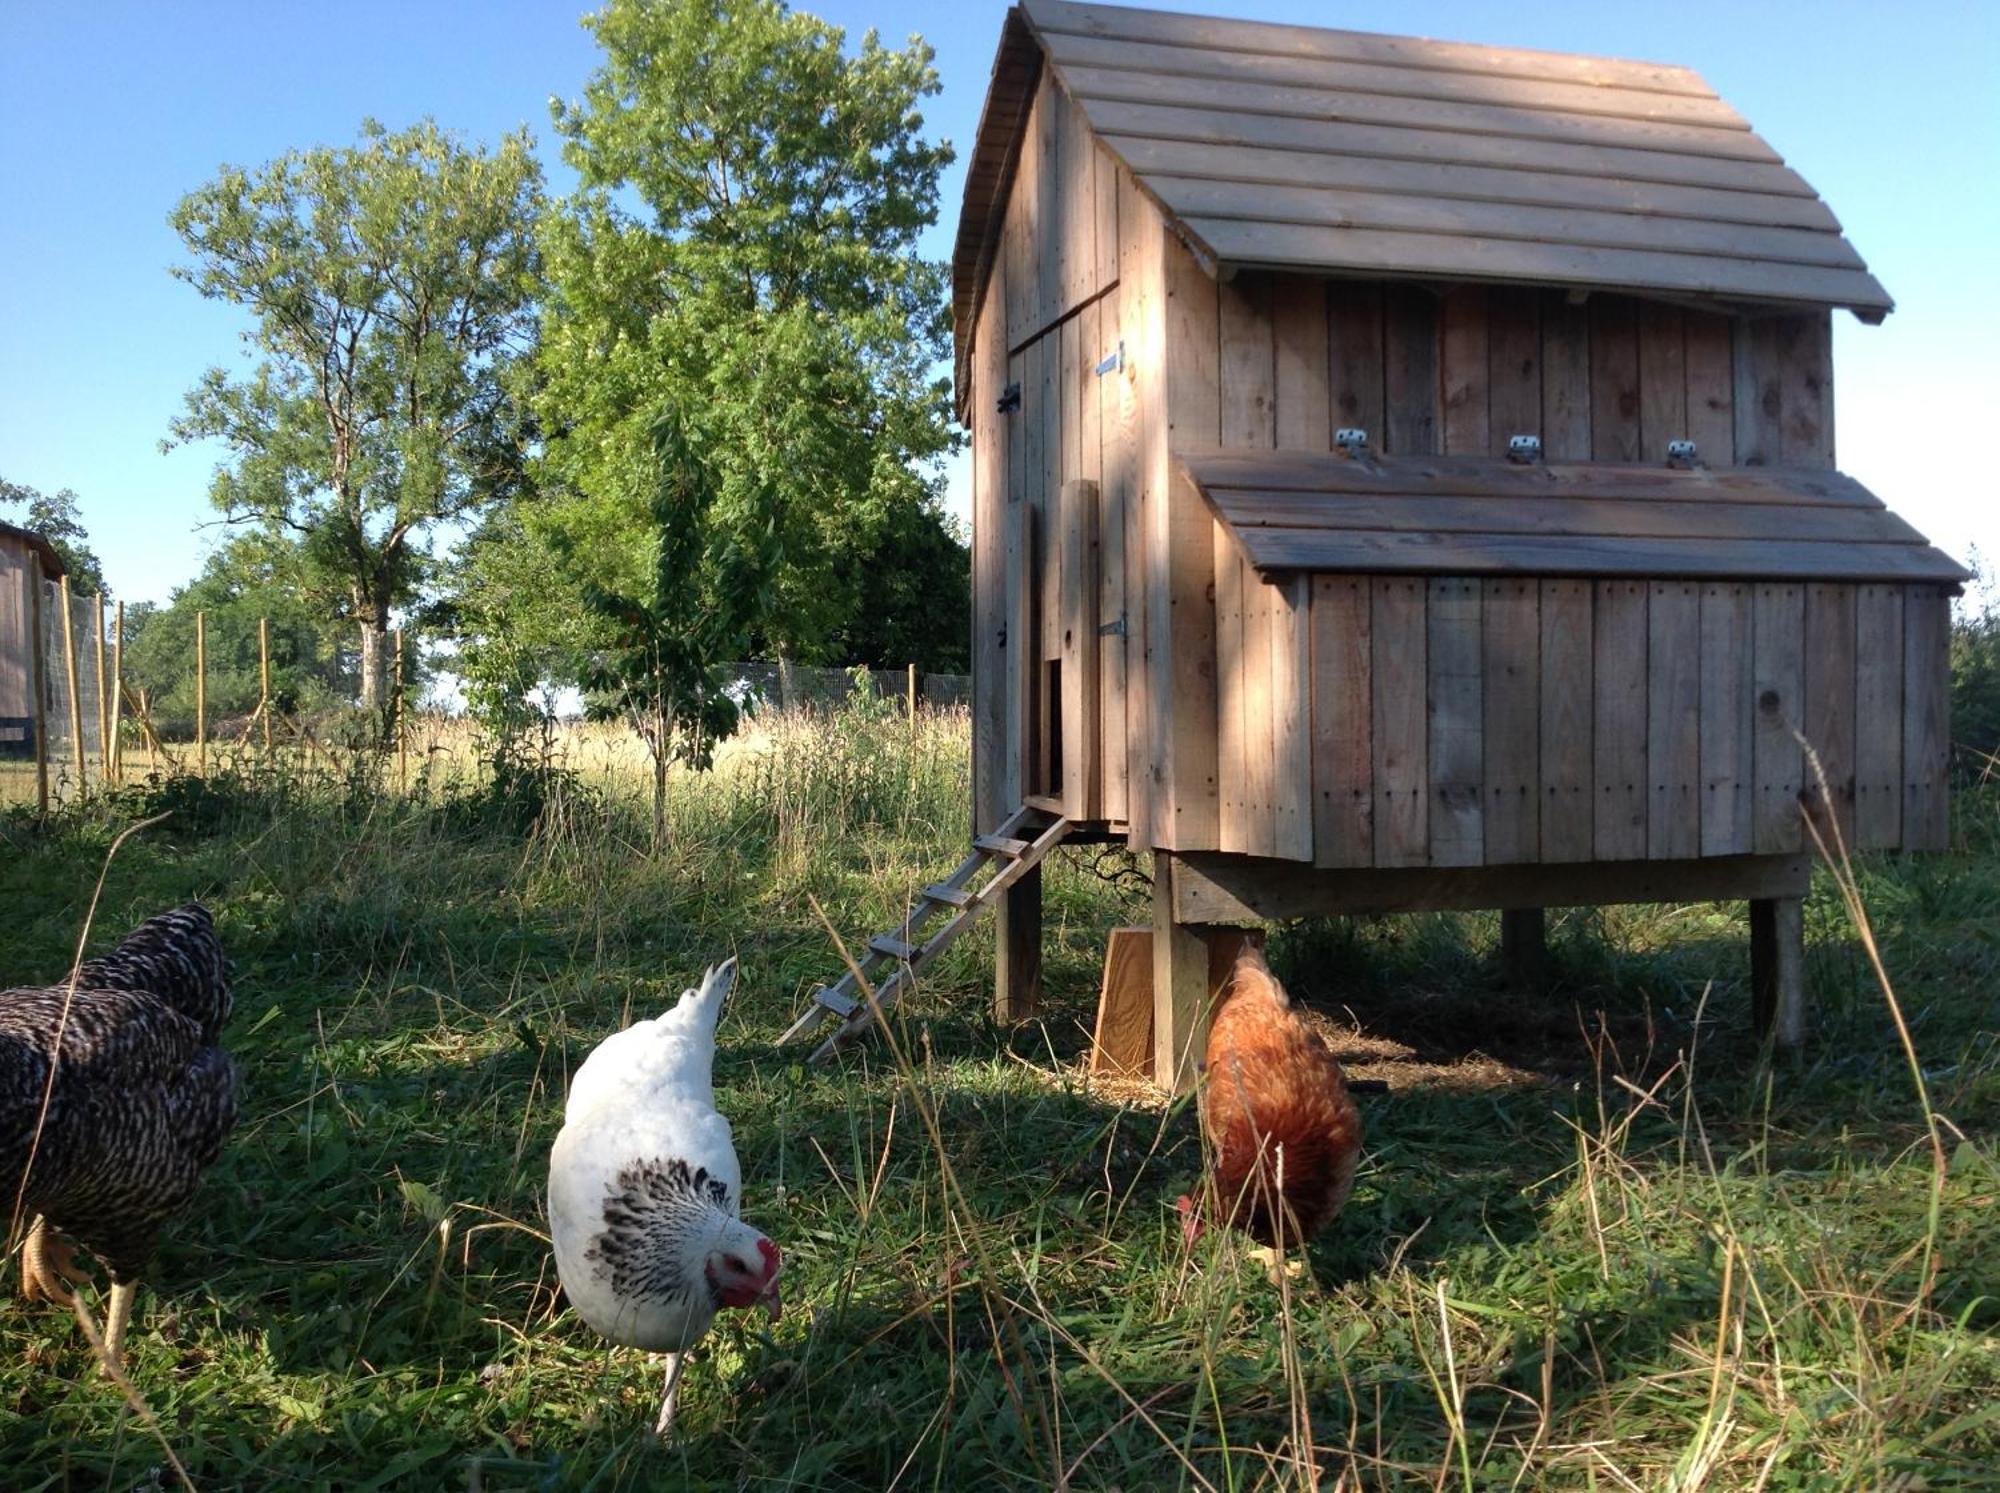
142 1099
644 1188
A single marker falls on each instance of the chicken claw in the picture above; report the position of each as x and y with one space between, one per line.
48 1266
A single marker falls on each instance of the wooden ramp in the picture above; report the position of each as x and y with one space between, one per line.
1009 853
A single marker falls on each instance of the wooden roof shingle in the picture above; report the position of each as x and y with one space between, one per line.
1292 147
1461 515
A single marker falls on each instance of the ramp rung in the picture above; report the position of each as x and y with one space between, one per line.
894 948
842 1006
951 896
1001 845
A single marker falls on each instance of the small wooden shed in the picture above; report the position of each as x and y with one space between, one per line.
26 560
1404 478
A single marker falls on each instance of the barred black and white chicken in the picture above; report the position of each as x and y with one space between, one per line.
142 1099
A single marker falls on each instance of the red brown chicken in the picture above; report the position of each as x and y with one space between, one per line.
1284 1132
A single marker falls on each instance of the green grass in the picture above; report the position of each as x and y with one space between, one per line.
1593 1245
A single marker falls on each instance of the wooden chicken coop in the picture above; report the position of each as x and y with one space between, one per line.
1404 478
26 560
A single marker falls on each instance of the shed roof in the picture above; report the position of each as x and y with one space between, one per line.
52 565
1452 515
1299 148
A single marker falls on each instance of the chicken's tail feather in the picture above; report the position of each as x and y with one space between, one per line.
176 956
1251 975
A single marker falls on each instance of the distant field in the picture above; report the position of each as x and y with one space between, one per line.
1594 1244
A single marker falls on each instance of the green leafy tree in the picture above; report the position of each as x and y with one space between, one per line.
669 641
389 286
744 245
253 577
57 518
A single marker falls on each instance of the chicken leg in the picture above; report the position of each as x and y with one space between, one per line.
675 1363
48 1266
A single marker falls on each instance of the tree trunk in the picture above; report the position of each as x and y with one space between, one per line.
374 648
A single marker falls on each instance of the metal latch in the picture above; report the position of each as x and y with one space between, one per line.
1524 448
1682 454
1112 629
1113 361
1010 399
1352 440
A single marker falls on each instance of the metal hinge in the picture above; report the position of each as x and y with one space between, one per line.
1010 399
1113 361
1112 629
1524 448
1352 440
1682 454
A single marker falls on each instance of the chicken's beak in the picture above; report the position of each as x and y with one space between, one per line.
768 1299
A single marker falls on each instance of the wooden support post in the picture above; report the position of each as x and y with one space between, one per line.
1777 970
1017 950
264 679
201 692
913 697
75 692
396 717
1524 948
1180 988
114 746
38 677
103 704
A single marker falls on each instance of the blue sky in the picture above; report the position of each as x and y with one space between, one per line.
109 112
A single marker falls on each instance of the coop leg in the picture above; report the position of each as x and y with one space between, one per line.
1777 969
1524 948
1180 989
1017 950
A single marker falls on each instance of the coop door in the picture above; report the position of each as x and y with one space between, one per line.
1071 652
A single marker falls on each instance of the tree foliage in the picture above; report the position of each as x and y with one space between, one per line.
741 256
389 286
57 518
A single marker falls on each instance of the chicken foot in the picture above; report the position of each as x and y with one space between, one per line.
675 1363
48 1266
117 1316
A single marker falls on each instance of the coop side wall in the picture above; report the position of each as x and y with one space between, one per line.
1052 581
1381 721
20 576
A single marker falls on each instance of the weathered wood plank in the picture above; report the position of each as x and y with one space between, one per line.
1446 181
989 563
1231 712
1456 709
1878 717
1829 723
1618 697
1291 718
1464 371
1249 363
1566 380
1249 418
1711 396
1673 720
1142 415
1728 705
1299 321
1109 405
1052 197
1400 769
1021 237
1104 192
1280 549
1805 346
1180 988
1663 409
1410 370
1514 369
1076 225
1342 708
1614 379
1759 389
1510 626
1024 482
1058 431
1568 651
1355 357
1231 889
1778 654
1926 717
1121 1041
1082 745
1258 754
1183 643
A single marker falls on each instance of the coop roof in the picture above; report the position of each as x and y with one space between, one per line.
1307 510
1299 148
52 565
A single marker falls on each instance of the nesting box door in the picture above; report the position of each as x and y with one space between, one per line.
1065 703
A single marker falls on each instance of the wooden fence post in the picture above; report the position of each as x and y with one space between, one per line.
103 705
913 696
115 745
75 692
264 679
201 692
396 709
40 679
